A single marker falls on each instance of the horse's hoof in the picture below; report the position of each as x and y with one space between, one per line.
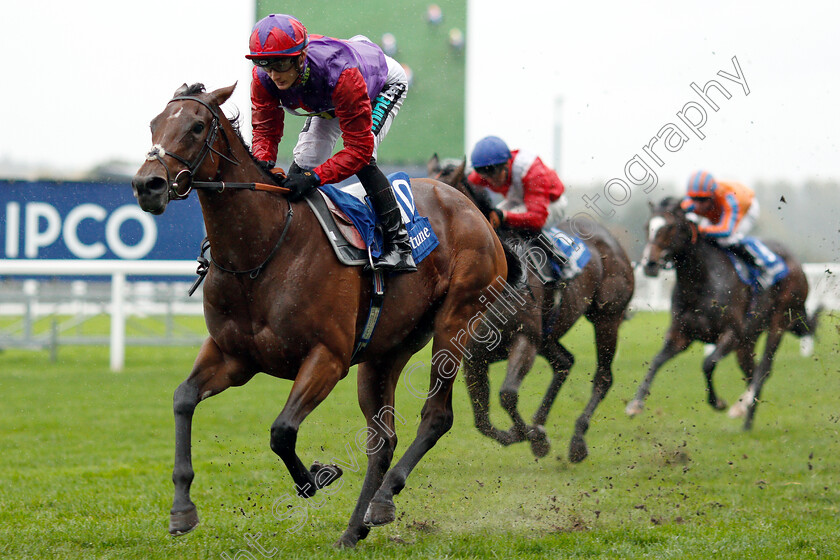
380 513
739 409
577 450
539 441
182 522
346 541
720 404
634 407
325 475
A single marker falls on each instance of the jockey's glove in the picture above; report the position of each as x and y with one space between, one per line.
496 218
300 183
267 165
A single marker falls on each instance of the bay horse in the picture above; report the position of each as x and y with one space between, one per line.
711 304
543 313
278 301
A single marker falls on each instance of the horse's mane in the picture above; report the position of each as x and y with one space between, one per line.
449 165
235 123
668 204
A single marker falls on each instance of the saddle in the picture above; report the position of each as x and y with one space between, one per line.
775 267
344 237
351 227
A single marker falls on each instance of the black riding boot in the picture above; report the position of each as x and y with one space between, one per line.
396 254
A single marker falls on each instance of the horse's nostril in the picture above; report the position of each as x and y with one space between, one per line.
150 184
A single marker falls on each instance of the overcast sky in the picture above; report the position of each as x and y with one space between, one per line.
82 80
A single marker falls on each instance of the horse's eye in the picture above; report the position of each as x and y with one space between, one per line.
198 128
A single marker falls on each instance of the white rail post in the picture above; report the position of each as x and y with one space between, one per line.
117 321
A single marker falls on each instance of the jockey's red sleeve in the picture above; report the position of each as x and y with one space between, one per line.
266 121
353 111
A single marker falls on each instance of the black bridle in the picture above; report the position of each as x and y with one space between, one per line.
158 152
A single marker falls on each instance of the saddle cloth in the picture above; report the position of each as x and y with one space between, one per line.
567 255
350 223
750 275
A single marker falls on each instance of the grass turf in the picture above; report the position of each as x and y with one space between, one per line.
86 458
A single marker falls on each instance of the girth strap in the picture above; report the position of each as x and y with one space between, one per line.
377 298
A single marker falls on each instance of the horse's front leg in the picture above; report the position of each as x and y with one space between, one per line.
317 377
675 342
212 373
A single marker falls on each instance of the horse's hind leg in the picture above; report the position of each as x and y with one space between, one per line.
606 339
212 373
675 342
376 386
478 386
317 377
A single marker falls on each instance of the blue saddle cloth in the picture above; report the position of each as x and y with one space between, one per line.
749 275
352 201
575 251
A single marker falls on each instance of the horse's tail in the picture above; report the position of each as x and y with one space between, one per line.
805 325
516 276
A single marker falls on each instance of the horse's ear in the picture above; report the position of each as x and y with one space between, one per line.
433 165
459 171
181 90
221 95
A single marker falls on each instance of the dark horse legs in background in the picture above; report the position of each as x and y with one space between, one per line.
712 305
277 300
541 314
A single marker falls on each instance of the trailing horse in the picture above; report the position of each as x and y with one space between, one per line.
711 304
278 301
541 313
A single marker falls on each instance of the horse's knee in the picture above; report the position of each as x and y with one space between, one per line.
440 422
567 361
185 399
385 451
603 381
709 365
509 398
283 437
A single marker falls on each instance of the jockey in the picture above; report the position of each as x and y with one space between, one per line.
730 211
533 195
533 192
342 87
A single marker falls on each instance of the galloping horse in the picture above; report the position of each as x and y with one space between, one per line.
711 304
277 300
544 312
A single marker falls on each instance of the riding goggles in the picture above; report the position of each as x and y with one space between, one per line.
283 64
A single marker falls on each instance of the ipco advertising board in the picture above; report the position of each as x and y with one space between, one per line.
75 220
